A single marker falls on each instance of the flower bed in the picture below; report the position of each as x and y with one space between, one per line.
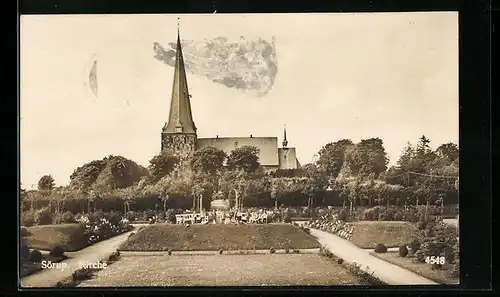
100 226
332 224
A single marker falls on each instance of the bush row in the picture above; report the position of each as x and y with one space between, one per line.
79 204
44 216
392 213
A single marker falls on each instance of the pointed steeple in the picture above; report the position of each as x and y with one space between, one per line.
285 142
180 119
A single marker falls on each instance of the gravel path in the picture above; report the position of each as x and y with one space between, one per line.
100 251
388 273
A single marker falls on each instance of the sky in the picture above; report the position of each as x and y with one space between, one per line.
343 75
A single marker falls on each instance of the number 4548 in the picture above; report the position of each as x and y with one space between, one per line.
434 260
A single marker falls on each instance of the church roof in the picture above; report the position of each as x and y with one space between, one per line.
180 118
268 146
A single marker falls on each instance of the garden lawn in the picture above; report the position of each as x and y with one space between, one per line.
367 234
70 237
163 237
223 270
28 267
423 269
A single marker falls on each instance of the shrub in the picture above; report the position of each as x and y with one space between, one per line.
272 250
35 256
24 252
43 216
412 215
403 251
399 215
438 239
65 218
170 215
96 216
455 268
131 234
436 266
380 248
419 257
220 252
422 225
307 230
24 232
287 218
370 214
340 260
114 218
131 215
28 218
414 246
82 274
387 214
148 214
343 214
57 252
113 257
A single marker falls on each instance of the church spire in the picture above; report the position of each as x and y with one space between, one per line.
285 142
180 119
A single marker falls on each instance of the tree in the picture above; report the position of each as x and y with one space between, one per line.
316 183
367 156
345 171
424 156
162 165
331 157
178 183
84 176
353 194
448 150
245 158
120 172
209 160
113 171
46 183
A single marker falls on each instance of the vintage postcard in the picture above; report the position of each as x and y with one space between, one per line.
239 150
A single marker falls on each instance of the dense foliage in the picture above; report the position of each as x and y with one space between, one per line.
352 175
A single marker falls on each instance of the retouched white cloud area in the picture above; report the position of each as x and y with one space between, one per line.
357 75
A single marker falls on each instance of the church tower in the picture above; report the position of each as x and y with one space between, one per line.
178 136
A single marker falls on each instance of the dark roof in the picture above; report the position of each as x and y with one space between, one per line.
180 106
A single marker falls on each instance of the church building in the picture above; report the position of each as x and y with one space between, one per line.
179 134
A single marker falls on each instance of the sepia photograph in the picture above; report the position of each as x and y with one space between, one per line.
311 149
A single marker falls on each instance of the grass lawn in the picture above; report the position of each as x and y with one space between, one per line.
367 234
70 237
223 270
423 269
28 267
162 237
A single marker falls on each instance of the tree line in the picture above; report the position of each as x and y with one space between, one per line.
345 173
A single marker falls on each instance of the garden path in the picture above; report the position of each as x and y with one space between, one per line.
100 251
386 272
